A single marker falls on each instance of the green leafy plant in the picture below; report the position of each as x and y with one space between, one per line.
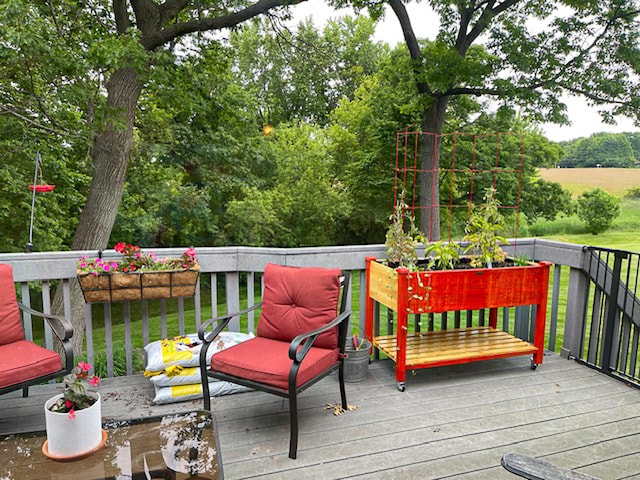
443 255
483 233
75 396
359 343
403 237
633 192
521 261
597 209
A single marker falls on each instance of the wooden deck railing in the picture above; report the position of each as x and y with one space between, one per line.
230 280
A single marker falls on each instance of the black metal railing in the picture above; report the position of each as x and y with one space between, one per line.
611 328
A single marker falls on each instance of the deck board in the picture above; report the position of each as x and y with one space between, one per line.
451 422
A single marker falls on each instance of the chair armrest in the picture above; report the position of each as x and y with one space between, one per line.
222 321
60 325
310 337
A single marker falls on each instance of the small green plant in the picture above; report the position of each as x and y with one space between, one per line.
521 261
443 256
632 193
483 233
75 396
598 209
403 237
359 343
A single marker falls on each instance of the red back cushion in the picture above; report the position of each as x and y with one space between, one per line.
10 322
298 300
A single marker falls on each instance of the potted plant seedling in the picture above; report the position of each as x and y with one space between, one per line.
74 417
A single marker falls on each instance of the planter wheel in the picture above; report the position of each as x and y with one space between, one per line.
533 365
401 386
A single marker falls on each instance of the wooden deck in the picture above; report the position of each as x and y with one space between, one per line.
451 422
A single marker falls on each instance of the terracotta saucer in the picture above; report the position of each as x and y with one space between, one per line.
68 458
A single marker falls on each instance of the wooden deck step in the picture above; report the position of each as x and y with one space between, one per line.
460 345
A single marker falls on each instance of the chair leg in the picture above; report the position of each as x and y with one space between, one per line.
206 396
25 392
343 392
293 419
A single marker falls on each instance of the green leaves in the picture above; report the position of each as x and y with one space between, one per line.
483 232
598 209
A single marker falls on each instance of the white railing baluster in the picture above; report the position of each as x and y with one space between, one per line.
127 338
108 337
250 302
27 321
46 308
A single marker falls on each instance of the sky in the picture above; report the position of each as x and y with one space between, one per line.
585 120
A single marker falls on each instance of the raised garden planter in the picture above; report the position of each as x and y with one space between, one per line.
437 291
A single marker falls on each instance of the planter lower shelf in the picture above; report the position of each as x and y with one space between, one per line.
449 347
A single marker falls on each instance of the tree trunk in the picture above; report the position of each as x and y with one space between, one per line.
432 125
110 157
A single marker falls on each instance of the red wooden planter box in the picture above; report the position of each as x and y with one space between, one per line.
439 291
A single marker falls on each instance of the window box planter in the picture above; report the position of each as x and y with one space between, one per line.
120 286
437 291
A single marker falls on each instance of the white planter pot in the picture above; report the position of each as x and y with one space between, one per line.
68 437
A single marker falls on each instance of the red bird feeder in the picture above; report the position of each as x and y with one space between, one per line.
36 188
42 188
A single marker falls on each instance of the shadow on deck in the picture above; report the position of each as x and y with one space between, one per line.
451 422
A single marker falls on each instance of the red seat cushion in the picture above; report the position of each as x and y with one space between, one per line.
298 300
10 322
265 360
24 360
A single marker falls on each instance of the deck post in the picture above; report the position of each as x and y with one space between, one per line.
577 298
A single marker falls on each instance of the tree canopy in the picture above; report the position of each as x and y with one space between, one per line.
601 150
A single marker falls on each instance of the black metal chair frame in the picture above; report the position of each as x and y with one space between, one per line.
297 356
63 330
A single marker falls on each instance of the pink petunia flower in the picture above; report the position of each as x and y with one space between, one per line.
72 414
85 367
93 381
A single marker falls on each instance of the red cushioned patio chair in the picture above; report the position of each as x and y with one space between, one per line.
300 338
23 363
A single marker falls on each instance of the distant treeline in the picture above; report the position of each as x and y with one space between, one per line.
621 150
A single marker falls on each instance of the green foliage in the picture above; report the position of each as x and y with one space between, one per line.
600 149
302 75
598 209
403 237
521 261
75 396
482 232
543 199
443 255
49 91
302 205
633 193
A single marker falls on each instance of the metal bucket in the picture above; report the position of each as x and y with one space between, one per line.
356 364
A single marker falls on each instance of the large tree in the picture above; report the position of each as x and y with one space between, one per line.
115 46
533 51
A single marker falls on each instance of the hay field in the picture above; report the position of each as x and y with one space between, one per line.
613 180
